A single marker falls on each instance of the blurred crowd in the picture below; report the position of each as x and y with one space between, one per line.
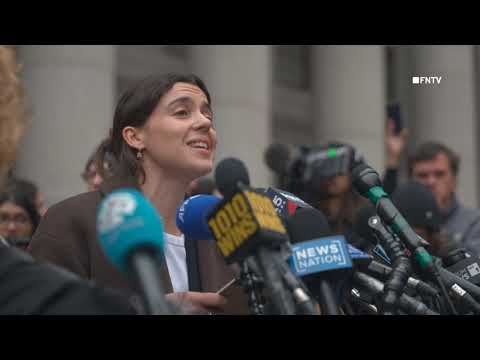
427 198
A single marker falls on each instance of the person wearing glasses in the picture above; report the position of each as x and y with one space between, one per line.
30 190
28 287
19 217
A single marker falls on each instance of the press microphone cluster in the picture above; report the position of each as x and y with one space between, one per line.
407 303
284 245
246 225
390 224
455 261
248 231
401 267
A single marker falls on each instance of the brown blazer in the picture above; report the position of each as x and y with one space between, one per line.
66 236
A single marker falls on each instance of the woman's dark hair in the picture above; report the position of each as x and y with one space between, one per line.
23 186
133 109
15 195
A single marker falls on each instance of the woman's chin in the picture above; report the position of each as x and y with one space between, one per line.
200 170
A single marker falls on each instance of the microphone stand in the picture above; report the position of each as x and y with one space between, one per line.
281 299
253 286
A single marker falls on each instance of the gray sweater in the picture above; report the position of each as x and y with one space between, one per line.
463 226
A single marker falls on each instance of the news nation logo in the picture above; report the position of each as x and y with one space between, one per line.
427 80
330 253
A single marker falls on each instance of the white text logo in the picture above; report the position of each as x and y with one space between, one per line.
427 80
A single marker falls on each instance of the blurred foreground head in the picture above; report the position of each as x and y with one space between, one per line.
418 205
203 185
12 110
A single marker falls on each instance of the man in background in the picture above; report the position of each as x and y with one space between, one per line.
437 166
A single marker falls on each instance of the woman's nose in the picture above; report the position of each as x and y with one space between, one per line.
203 122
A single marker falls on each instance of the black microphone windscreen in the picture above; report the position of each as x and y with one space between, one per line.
454 256
364 178
228 173
277 158
307 224
358 169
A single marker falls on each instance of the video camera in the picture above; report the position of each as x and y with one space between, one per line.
305 169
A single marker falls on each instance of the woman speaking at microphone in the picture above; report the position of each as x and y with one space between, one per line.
163 137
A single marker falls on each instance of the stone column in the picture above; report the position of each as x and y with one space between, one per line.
70 91
349 96
239 79
445 112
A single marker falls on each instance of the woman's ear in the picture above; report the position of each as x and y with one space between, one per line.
133 137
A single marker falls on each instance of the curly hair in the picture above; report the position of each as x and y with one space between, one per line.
12 109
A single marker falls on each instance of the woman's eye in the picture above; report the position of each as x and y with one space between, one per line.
181 113
208 115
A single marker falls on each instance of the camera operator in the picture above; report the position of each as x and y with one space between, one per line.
325 173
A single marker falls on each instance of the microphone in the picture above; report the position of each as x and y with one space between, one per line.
463 264
401 267
451 278
320 260
363 261
315 261
246 224
412 283
362 228
367 183
192 216
366 217
285 202
464 298
192 221
280 158
228 174
405 302
130 231
287 161
359 258
245 217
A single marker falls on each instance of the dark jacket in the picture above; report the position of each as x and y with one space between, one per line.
28 288
66 236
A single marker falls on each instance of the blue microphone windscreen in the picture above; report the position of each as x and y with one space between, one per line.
127 221
324 254
192 216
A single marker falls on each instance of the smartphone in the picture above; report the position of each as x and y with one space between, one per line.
224 289
394 113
